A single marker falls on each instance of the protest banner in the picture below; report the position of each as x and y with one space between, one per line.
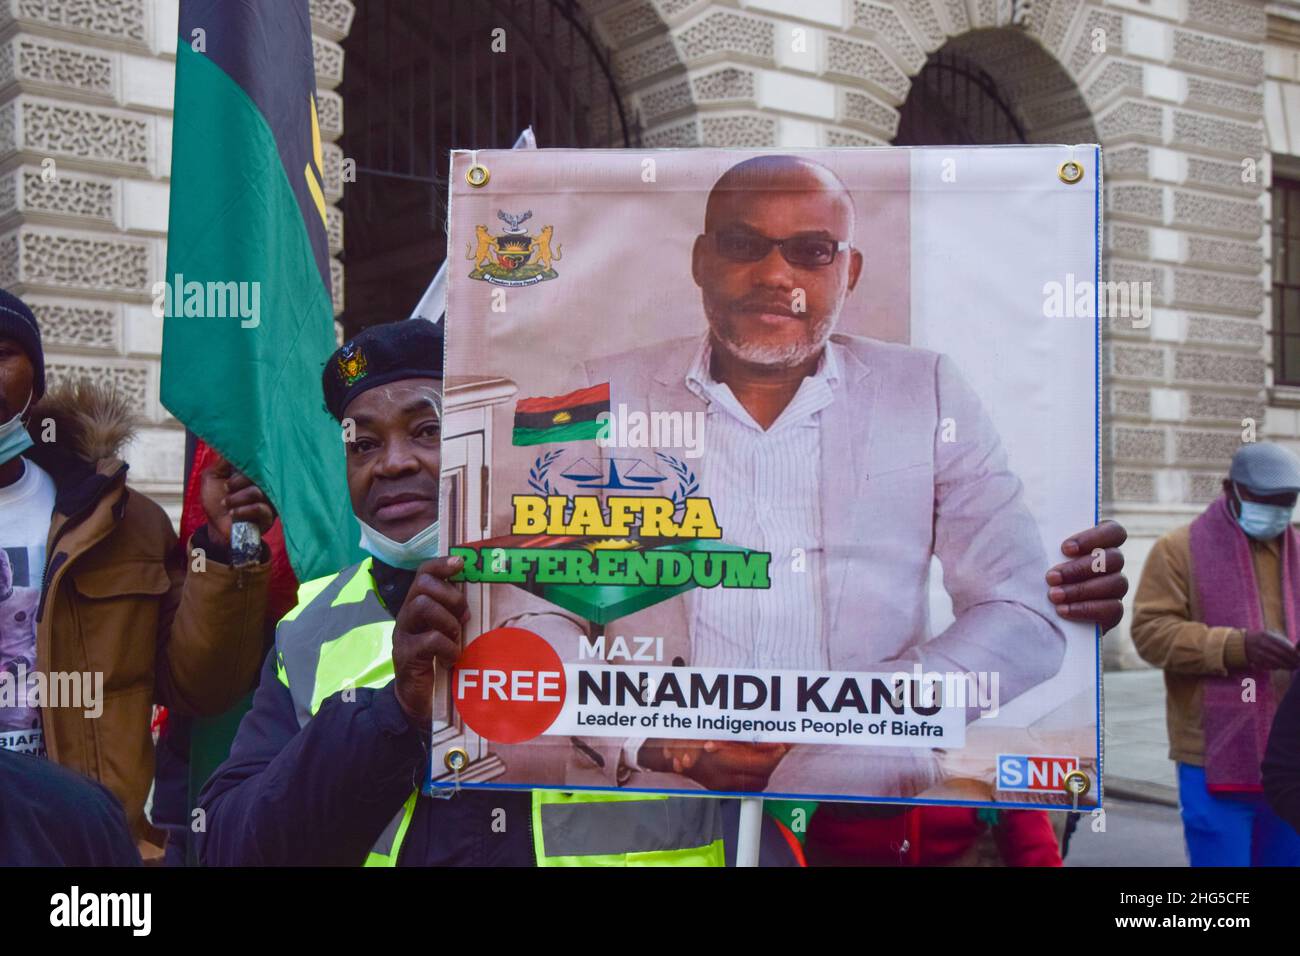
757 462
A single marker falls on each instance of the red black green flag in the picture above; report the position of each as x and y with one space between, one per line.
248 316
571 417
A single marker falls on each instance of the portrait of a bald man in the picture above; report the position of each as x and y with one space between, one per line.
833 448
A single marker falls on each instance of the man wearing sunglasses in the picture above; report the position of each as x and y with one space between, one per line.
827 451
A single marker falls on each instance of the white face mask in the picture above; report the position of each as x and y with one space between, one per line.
409 554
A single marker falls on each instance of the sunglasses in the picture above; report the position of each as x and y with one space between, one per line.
806 251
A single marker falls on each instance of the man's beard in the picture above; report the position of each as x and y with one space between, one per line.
776 355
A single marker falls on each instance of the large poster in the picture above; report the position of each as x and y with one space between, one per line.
757 462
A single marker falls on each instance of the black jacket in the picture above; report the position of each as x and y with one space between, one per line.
51 816
1281 766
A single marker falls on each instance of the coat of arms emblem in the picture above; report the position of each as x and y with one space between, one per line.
515 257
351 363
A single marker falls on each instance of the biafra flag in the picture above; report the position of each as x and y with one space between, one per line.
249 321
570 417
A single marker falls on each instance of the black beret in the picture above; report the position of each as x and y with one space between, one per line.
411 348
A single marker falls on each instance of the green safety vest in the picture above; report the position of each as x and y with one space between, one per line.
340 636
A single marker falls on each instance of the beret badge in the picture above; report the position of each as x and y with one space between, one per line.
351 363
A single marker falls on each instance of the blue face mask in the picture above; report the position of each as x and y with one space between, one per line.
409 554
1260 521
14 439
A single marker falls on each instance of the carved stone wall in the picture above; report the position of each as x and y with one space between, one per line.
85 158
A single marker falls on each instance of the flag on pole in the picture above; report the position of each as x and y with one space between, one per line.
249 320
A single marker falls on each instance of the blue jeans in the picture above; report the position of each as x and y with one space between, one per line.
1232 829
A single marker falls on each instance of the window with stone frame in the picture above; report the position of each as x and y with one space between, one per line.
1286 281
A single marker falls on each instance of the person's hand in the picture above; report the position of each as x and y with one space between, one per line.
716 764
1082 592
427 631
1271 651
229 496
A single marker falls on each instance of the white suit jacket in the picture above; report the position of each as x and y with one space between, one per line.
895 493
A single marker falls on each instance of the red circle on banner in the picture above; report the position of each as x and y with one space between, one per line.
509 685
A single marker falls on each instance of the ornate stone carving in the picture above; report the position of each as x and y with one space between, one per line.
1135 402
671 8
1208 406
665 100
1242 216
334 229
1224 253
329 62
1219 368
729 83
1206 487
77 326
1225 96
1131 119
1209 330
72 195
122 20
1205 447
1126 161
737 130
1199 53
863 108
1084 54
332 156
725 32
1136 361
332 18
131 381
336 285
839 138
1221 135
641 63
884 23
83 133
62 261
925 18
1133 444
36 62
677 135
329 110
1222 292
1128 240
864 61
1132 486
1115 76
1143 202
1244 18
626 25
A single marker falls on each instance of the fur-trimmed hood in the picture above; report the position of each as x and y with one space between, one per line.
85 419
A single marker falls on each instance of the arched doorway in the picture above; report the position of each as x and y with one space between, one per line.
423 77
993 87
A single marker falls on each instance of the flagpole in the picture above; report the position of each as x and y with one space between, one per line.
750 831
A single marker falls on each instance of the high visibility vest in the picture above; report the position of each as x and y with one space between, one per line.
340 636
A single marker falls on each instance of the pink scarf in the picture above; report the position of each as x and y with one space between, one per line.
1236 731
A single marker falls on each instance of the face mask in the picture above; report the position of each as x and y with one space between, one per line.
408 555
1262 522
14 439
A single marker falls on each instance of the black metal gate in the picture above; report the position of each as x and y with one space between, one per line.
953 102
423 77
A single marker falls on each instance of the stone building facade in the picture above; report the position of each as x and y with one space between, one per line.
1195 102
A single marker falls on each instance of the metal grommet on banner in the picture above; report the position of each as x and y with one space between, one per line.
456 759
1077 784
477 175
1070 171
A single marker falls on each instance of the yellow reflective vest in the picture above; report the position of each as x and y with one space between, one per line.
340 636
